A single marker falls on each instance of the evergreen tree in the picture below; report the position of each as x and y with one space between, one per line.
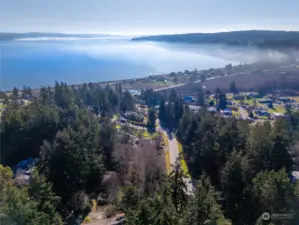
127 102
40 191
222 101
162 112
151 123
15 94
233 87
17 207
233 184
74 161
203 207
4 97
178 187
274 193
200 97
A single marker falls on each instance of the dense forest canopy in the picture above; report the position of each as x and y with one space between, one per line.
238 171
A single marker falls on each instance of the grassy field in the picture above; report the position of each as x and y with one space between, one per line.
183 162
115 117
2 106
248 101
296 98
146 134
167 156
229 96
277 109
235 113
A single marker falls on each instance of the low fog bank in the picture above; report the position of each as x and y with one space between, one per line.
239 54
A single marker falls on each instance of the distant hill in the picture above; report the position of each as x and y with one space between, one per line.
244 38
13 36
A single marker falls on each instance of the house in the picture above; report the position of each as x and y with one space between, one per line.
295 175
254 95
133 116
134 92
187 99
258 109
229 102
278 115
266 101
194 108
18 101
212 109
23 171
263 113
122 120
283 99
238 97
226 112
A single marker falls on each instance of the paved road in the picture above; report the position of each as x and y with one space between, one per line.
174 86
174 154
197 81
243 113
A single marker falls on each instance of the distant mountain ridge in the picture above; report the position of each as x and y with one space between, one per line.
13 36
260 38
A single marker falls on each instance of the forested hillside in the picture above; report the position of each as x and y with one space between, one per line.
275 39
238 171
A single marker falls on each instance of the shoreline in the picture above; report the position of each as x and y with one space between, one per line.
151 80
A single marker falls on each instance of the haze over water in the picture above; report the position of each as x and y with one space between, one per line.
40 61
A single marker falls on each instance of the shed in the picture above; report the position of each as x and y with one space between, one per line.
239 97
266 101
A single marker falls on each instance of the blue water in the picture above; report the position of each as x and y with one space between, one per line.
40 62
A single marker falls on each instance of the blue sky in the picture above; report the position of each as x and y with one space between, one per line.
138 17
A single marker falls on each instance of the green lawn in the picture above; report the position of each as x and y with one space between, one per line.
235 113
248 101
183 162
229 96
146 134
277 109
115 116
167 155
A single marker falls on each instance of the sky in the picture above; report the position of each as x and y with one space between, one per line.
144 17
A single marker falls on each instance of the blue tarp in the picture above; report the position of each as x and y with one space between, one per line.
187 99
26 164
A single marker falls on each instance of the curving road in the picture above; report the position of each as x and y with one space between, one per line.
174 153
